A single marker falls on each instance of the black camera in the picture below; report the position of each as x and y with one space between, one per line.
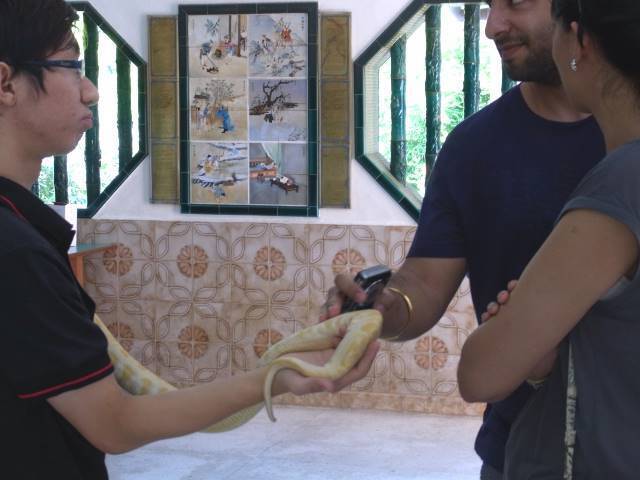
372 280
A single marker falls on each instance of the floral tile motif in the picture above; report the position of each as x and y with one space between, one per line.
193 261
117 259
123 333
431 353
193 341
269 263
348 261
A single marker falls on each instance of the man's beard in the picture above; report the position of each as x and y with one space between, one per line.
537 67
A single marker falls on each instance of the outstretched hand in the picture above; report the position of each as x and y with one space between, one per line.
288 380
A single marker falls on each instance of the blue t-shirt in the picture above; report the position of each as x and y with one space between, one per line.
500 181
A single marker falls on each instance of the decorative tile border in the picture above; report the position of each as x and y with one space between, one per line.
199 301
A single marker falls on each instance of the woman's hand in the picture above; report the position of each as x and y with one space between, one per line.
501 299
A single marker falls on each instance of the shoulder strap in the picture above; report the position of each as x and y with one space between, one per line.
570 419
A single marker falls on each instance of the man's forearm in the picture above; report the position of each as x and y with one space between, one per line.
429 285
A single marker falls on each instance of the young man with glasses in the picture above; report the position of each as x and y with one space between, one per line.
61 405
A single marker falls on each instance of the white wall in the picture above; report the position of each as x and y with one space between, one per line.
370 204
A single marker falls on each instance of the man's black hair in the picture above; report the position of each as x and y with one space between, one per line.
33 29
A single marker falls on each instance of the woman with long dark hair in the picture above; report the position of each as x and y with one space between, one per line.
571 325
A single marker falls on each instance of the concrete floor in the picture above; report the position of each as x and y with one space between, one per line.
315 444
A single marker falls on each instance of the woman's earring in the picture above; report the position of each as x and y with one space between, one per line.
573 65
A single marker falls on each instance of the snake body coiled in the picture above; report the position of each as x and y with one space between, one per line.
360 327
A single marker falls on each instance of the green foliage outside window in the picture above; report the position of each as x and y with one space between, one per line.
452 96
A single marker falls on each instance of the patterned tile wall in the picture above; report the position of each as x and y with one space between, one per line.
195 302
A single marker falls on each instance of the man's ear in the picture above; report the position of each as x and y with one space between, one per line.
7 85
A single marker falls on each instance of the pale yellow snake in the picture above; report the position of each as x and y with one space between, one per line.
361 328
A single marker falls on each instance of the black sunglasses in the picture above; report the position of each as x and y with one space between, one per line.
73 64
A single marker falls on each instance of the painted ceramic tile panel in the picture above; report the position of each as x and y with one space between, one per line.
217 46
218 109
278 110
247 82
219 173
278 173
278 45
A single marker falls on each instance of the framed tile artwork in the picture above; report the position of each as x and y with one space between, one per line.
248 114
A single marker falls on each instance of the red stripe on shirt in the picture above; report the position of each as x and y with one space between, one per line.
66 384
12 207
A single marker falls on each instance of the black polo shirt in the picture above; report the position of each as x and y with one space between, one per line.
48 345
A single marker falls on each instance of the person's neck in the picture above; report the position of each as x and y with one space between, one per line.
619 119
17 166
550 102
